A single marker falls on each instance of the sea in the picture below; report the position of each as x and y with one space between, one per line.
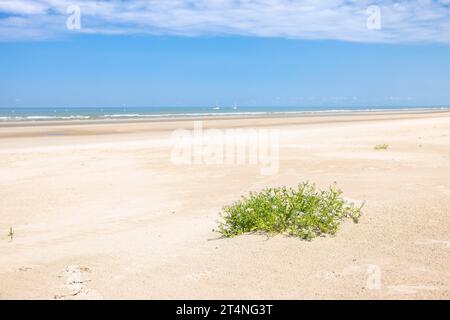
92 113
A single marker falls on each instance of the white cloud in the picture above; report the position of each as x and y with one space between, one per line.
22 7
401 21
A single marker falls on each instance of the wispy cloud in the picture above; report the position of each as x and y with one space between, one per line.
401 21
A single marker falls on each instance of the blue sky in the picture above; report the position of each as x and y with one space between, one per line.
197 53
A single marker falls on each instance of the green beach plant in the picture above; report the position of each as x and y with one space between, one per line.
304 212
383 146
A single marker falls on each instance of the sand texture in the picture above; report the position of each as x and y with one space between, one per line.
99 211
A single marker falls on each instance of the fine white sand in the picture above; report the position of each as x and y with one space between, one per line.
99 210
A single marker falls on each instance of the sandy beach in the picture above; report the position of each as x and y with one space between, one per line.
100 211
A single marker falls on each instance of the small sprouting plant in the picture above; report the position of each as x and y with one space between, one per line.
305 212
11 234
383 146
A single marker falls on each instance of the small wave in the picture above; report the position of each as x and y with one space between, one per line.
122 115
11 118
75 117
40 117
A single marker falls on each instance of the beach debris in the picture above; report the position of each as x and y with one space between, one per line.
75 281
24 269
11 234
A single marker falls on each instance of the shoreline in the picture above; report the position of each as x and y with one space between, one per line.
293 115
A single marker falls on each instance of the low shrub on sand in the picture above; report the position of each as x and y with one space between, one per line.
305 212
381 146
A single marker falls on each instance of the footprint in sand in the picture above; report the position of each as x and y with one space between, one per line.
76 280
